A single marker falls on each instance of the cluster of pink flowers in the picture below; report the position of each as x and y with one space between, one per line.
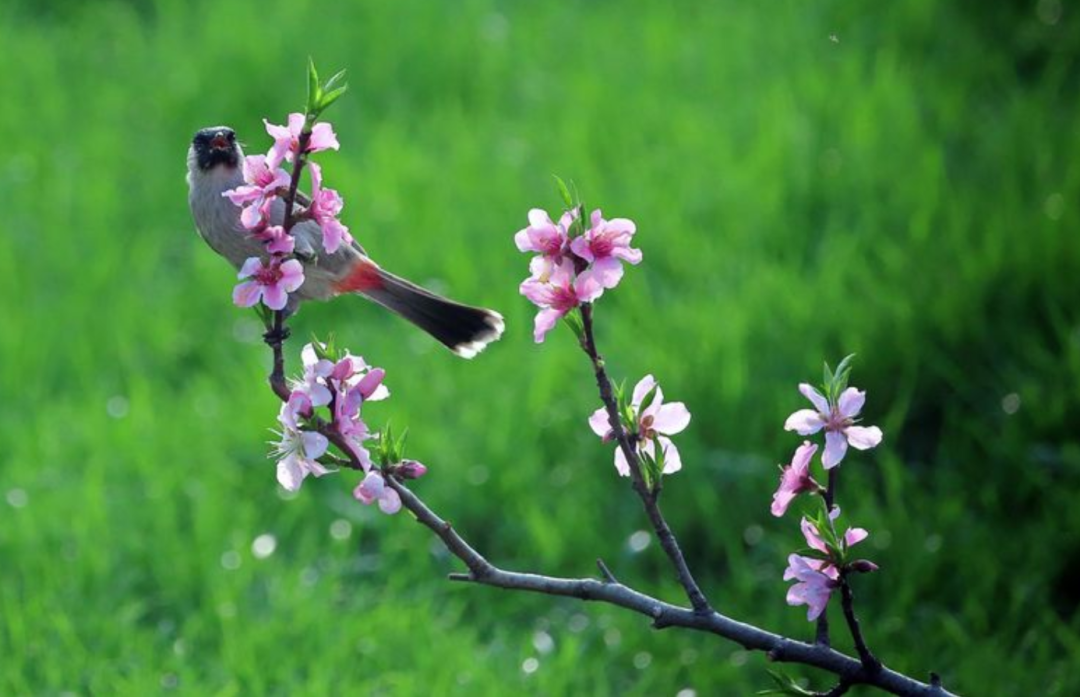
271 280
341 385
649 427
818 576
570 269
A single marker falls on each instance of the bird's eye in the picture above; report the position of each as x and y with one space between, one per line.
232 137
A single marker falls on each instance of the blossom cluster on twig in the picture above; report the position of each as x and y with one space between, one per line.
822 568
266 182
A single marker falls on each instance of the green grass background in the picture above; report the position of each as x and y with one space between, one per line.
809 179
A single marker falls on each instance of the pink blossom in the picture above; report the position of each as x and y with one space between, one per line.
795 479
270 283
316 371
351 394
816 582
299 405
354 372
810 531
654 424
262 179
326 205
373 489
287 138
838 420
546 238
276 239
299 450
605 246
558 294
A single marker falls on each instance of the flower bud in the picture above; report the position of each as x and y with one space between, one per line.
411 469
863 566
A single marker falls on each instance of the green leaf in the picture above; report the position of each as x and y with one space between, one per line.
332 82
827 380
648 468
331 97
575 322
840 379
325 350
314 93
266 315
785 686
660 456
385 446
564 191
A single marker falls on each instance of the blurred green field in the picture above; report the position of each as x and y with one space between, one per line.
809 179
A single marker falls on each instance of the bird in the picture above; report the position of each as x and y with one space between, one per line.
214 167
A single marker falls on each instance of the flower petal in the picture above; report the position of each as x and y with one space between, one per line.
250 266
599 423
854 536
863 437
835 449
781 500
620 463
371 488
813 537
275 297
804 422
538 217
851 402
671 418
545 322
289 473
538 292
523 241
641 391
607 271
390 502
818 400
672 459
246 294
296 123
580 247
800 463
315 444
587 287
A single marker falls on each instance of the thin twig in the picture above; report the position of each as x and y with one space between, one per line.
829 495
649 498
605 571
847 600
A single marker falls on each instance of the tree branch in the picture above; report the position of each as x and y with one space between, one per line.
611 591
649 497
778 648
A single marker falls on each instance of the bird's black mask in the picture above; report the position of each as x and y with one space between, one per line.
215 146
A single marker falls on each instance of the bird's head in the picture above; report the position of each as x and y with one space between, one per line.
215 146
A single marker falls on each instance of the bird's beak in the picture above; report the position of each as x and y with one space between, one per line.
220 142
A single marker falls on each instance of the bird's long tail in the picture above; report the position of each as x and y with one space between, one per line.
463 329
